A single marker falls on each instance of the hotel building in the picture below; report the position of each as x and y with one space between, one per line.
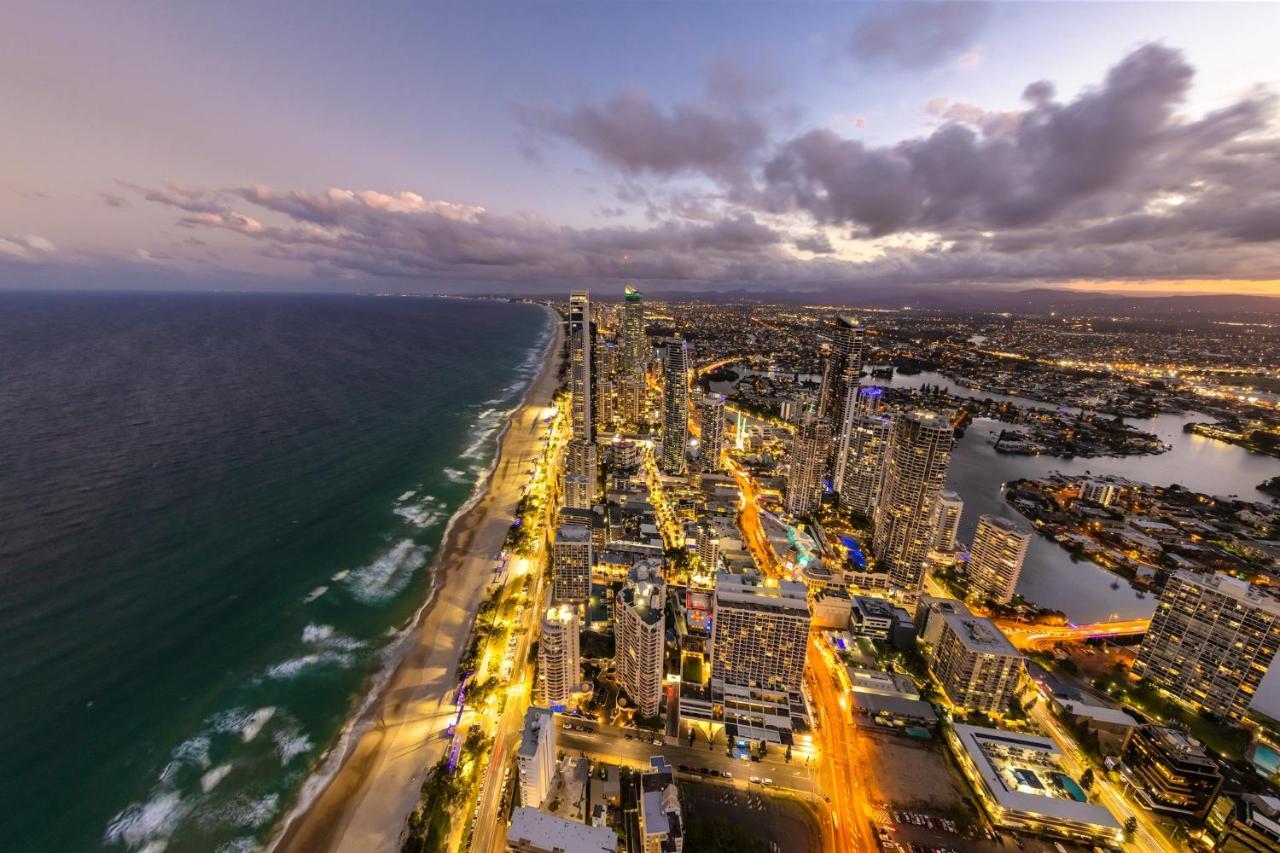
572 557
864 474
675 406
536 755
759 640
976 665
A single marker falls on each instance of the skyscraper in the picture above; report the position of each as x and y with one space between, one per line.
638 627
864 470
950 508
571 565
995 560
605 362
845 376
633 337
1211 641
914 475
708 545
581 475
580 344
759 640
675 406
712 433
559 664
808 463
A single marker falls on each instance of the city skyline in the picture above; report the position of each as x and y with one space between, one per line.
865 148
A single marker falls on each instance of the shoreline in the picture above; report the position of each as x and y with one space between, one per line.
361 794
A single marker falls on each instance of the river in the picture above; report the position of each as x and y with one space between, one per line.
1051 577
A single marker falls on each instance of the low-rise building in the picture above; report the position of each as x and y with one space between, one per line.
1022 785
532 831
661 818
1252 825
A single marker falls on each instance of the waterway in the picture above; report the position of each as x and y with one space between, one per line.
1052 577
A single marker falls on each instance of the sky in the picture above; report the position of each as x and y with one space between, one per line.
709 145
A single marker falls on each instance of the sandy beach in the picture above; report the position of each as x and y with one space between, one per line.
365 805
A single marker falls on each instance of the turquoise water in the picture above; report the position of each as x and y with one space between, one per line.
215 513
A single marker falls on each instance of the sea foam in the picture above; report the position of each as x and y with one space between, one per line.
386 576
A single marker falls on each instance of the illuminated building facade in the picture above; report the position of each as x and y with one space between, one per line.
712 433
571 565
864 473
639 632
675 406
995 560
559 663
915 472
1210 643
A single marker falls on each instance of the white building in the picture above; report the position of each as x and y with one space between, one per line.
864 471
1211 641
808 463
1019 780
915 472
712 440
536 756
661 817
581 476
639 623
559 662
1099 491
995 560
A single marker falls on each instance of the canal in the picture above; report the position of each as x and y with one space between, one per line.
1052 577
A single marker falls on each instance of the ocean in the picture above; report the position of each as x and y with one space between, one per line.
216 512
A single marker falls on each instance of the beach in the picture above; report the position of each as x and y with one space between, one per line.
363 793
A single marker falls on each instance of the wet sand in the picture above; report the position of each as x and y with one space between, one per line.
367 803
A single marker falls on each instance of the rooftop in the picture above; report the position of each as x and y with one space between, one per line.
744 590
1241 591
980 635
573 533
536 720
1014 768
554 833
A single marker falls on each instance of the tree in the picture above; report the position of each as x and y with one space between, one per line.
1086 779
1130 825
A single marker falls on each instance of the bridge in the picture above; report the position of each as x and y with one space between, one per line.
1026 636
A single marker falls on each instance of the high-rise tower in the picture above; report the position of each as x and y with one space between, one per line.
580 344
808 462
915 473
638 622
712 433
995 560
843 378
864 468
675 406
559 663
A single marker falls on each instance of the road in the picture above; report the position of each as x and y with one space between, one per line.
1148 838
490 828
1026 636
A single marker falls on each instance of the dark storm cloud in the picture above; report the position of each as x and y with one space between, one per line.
631 133
916 35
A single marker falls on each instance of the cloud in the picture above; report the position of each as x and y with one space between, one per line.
25 247
631 133
1112 184
918 35
1103 154
733 81
111 199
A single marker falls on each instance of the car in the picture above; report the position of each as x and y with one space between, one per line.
767 781
683 768
755 780
704 771
629 736
657 741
